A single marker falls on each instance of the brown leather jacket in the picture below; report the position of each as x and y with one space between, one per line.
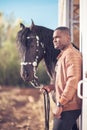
68 74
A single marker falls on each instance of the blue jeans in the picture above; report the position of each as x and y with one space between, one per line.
67 120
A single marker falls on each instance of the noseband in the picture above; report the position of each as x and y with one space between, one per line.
35 62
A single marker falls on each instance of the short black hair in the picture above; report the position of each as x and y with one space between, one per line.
63 29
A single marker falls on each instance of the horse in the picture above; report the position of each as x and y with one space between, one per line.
36 43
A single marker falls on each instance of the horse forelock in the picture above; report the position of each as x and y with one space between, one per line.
22 39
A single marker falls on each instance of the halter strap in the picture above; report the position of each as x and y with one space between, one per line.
29 63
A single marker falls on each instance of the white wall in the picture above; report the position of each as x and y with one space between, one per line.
63 13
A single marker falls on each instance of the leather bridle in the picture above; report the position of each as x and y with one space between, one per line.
34 63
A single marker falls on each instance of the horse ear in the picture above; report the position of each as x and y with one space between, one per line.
22 25
32 24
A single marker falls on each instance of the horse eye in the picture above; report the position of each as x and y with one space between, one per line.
30 40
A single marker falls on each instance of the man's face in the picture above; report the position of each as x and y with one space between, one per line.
60 39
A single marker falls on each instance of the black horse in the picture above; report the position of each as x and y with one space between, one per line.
36 43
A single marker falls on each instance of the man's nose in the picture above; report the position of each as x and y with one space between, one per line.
54 40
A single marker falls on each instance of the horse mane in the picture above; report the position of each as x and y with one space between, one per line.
21 40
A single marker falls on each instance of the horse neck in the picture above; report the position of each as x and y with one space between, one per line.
51 53
50 60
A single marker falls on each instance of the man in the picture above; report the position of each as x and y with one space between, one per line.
68 74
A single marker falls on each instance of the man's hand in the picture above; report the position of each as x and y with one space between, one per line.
48 88
57 111
45 88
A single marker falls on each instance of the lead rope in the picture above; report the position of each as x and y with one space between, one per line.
47 109
46 104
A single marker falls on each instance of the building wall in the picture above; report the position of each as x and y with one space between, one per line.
68 15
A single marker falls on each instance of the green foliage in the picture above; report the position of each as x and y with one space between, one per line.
9 65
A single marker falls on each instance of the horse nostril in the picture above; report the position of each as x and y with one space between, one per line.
26 74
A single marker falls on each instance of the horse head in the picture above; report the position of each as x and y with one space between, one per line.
31 50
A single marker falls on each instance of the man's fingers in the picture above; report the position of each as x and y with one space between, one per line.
42 90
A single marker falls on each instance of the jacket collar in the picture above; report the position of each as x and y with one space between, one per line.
62 51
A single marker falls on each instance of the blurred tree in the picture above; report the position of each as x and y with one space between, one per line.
2 29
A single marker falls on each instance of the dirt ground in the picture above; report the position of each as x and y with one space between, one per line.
22 109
